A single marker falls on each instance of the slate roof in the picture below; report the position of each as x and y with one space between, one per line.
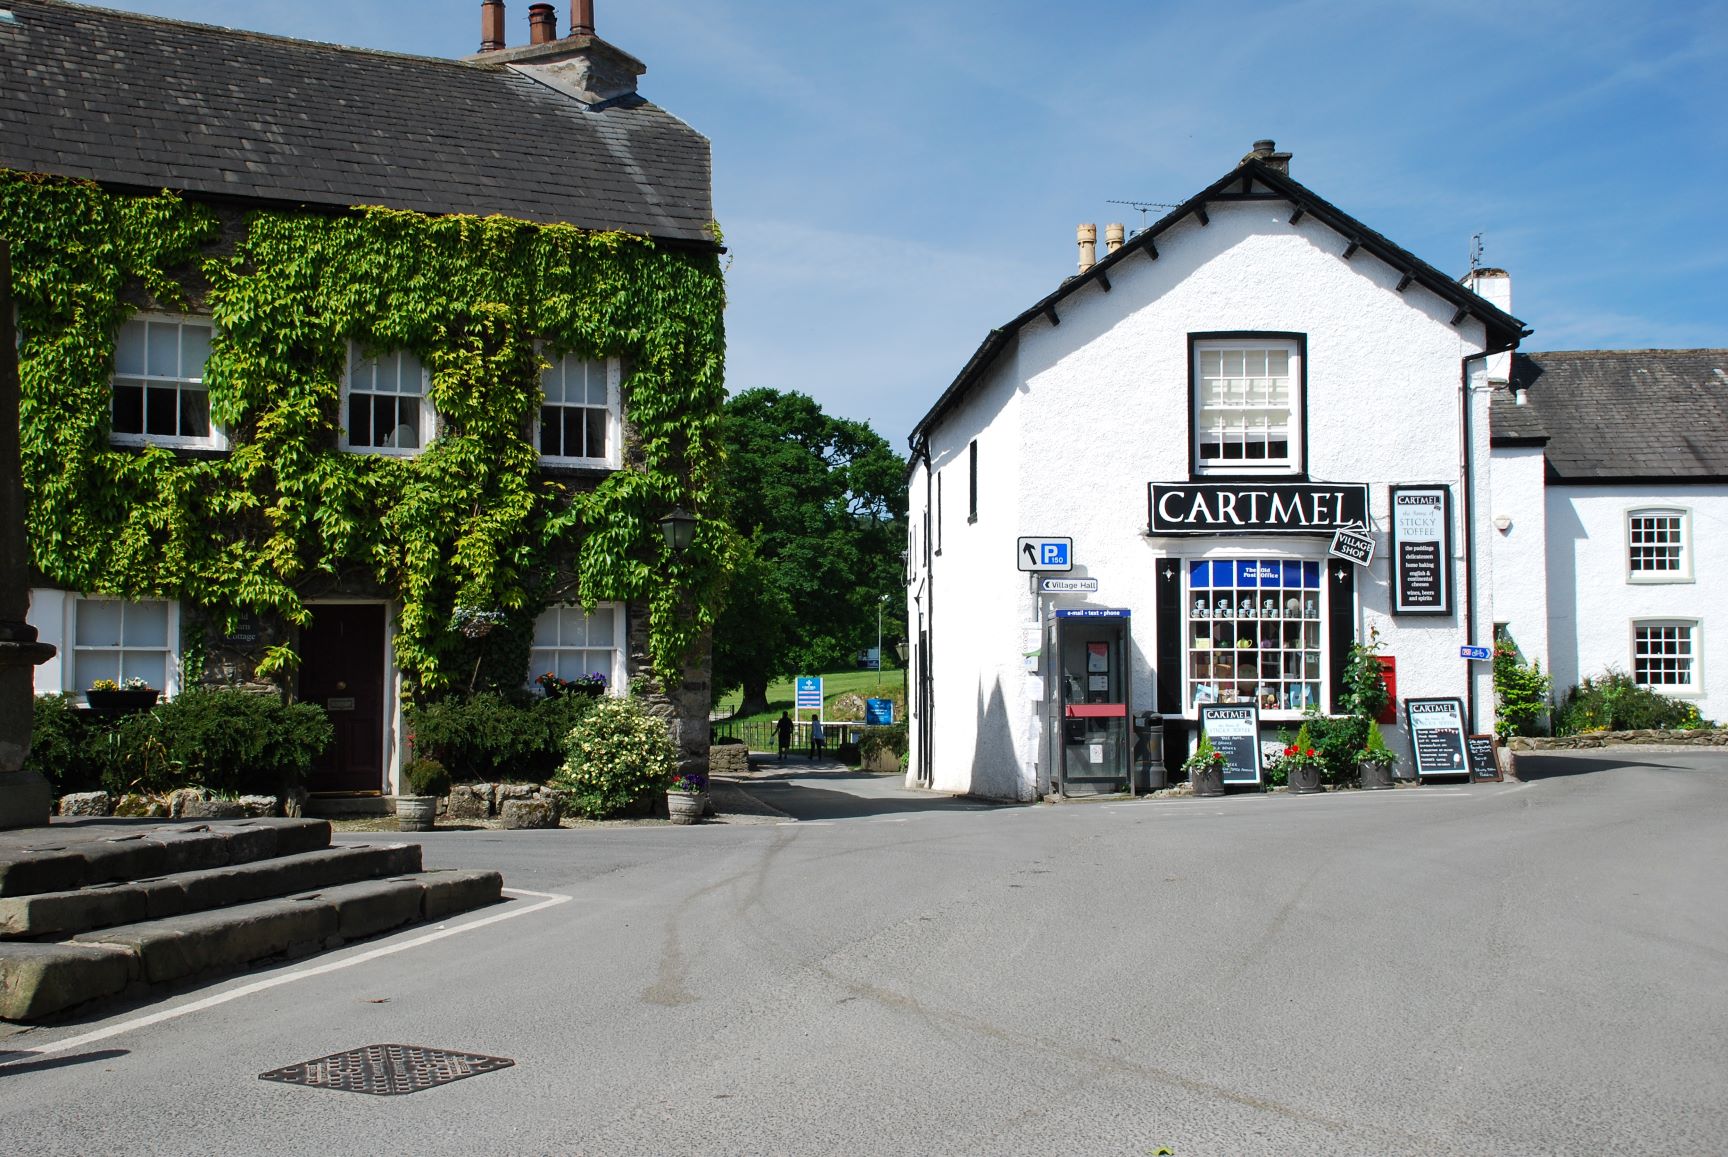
1621 415
1503 330
139 101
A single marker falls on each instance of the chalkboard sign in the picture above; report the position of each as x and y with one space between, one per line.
1437 735
1421 550
1484 760
1234 729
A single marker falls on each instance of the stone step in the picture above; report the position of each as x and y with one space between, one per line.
38 980
65 857
61 914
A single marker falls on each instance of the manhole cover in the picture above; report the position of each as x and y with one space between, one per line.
386 1070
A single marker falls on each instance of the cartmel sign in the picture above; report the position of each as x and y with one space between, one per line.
1256 507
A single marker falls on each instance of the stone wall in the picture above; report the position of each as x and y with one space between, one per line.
729 759
684 708
1698 737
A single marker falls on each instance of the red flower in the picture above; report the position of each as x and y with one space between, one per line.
1289 751
1310 753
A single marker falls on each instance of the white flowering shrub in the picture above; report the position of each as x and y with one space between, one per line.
616 759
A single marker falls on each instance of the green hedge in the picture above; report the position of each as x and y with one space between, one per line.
1613 702
231 742
494 737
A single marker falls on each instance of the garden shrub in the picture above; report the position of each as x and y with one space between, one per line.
60 746
426 777
1336 739
618 758
891 739
1613 702
495 736
1520 691
240 742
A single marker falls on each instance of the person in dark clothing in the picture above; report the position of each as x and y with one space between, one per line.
816 737
783 732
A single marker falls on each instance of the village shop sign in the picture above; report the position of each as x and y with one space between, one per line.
1257 507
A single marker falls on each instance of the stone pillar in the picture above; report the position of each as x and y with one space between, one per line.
683 707
25 797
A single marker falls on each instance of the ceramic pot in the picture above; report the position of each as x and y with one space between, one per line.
1375 776
1305 780
414 813
686 807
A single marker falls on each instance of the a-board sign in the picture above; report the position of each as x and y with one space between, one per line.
1356 546
807 693
1437 735
1234 729
1421 550
1484 758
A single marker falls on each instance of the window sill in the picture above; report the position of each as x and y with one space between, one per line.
1658 580
141 441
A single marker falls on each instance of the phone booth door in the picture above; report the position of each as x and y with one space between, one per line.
1093 737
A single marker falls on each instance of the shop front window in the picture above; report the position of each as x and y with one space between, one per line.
1254 633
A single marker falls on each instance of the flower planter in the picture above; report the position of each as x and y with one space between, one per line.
414 813
1376 776
1208 783
686 807
121 702
1305 780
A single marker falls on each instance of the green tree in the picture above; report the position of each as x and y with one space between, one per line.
819 501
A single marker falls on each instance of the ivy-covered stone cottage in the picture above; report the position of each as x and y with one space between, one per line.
357 374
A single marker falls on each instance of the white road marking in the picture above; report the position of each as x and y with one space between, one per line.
547 900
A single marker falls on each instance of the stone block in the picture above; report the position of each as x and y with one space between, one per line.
212 809
85 803
375 906
529 813
301 835
507 791
197 942
450 892
729 759
56 913
260 806
141 806
177 800
469 802
38 980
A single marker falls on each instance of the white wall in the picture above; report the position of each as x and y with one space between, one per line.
1520 573
1076 419
1592 603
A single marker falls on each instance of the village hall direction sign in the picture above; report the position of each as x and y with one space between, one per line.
1254 507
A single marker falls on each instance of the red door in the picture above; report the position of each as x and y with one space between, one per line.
342 670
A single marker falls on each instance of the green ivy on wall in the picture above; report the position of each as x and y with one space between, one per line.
470 520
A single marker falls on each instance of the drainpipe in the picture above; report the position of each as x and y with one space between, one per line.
1467 515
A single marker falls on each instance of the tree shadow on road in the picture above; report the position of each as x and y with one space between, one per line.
1557 765
810 794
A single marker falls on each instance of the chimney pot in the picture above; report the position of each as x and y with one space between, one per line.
1266 152
1087 236
581 17
542 24
1114 233
491 25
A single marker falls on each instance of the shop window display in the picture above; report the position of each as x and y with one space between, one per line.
1254 633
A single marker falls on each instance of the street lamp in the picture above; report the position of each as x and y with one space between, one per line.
679 527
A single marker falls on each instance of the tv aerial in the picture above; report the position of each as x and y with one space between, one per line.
1143 208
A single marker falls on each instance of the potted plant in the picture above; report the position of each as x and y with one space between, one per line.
592 685
687 798
426 780
1301 763
1374 762
129 698
1205 768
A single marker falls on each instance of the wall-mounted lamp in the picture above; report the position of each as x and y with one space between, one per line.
1502 523
900 651
679 527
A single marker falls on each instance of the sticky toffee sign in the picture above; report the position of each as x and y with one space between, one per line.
1421 550
1251 507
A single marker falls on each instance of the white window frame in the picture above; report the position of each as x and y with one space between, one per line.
615 674
1694 643
1682 573
78 682
181 383
428 417
1294 350
613 459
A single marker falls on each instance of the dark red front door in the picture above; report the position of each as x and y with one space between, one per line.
342 670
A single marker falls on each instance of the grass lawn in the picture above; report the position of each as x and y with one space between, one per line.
871 684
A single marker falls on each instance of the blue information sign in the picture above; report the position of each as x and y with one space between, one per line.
879 712
1478 653
807 695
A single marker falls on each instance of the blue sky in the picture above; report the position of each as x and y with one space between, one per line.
895 177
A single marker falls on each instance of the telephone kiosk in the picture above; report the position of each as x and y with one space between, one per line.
1091 733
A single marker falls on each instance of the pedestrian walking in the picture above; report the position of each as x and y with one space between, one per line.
783 731
816 743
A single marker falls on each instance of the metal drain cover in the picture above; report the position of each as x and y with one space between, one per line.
386 1070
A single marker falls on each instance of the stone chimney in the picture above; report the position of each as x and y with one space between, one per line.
1087 236
581 64
1266 152
491 25
542 24
1114 233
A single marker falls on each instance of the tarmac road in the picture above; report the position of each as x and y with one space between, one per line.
1537 968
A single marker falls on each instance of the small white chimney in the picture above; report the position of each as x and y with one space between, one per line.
1087 236
1113 237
